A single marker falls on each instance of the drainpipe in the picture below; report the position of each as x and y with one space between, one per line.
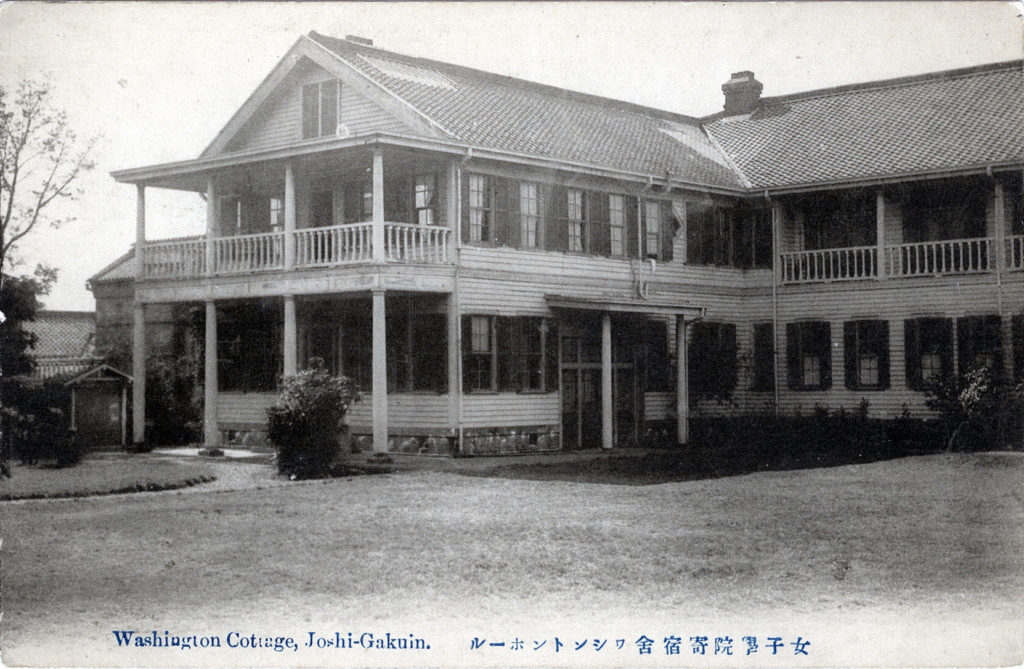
776 223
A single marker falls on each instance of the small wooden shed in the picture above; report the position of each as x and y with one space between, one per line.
99 406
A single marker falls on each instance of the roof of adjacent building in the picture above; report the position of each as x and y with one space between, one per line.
63 334
499 112
120 270
943 121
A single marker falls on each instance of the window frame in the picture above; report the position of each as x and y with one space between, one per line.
801 344
430 204
507 362
657 207
617 225
863 340
526 217
931 336
308 132
483 229
576 224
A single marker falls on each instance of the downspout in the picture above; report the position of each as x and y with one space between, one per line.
775 296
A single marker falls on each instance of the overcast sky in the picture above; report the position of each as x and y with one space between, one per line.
158 81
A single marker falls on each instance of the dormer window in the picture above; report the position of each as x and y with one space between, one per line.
320 109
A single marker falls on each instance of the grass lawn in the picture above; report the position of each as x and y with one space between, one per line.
102 474
917 561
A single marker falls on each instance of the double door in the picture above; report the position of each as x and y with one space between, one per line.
581 396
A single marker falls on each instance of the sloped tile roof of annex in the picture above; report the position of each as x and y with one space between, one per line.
63 333
119 270
939 121
499 112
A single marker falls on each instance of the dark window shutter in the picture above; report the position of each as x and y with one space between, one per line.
600 241
499 200
503 327
632 238
548 218
823 339
728 351
1017 337
668 231
764 357
560 238
945 330
850 354
882 347
551 359
793 355
465 208
514 227
912 351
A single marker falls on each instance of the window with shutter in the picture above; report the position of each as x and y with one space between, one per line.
321 104
979 343
808 354
928 348
529 214
616 225
866 355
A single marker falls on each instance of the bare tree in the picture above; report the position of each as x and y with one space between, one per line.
40 159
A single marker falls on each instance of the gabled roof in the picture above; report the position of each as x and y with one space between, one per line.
493 111
65 334
944 121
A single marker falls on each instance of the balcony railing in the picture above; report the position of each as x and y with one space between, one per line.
949 256
174 259
314 247
1014 252
336 245
846 264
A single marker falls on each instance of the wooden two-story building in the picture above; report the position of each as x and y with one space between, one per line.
504 266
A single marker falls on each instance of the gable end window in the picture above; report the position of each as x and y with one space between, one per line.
321 103
808 355
866 351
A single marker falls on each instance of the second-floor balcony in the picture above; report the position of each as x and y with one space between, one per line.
932 258
331 246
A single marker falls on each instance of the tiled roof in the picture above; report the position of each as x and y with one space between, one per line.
63 333
947 120
120 269
498 112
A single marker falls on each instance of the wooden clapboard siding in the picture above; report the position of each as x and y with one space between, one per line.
278 122
893 222
510 409
658 405
244 408
428 411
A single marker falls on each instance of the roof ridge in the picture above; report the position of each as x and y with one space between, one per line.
503 78
899 82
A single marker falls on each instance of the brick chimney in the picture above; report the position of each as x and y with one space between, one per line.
742 93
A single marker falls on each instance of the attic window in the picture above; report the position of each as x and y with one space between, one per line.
321 104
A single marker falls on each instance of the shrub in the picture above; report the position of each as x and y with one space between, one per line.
978 409
305 423
35 425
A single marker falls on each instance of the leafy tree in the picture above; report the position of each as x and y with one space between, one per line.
19 302
40 159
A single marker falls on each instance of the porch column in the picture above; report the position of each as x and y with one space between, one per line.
139 325
607 438
880 234
138 373
682 387
1006 322
289 223
454 378
380 374
211 435
212 225
378 207
290 337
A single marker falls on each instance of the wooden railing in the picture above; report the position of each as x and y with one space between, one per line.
845 264
248 253
948 256
1014 252
174 259
336 245
415 243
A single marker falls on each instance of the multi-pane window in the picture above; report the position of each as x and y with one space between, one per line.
480 210
764 357
979 343
740 238
808 354
652 229
276 214
576 207
617 224
508 354
866 354
320 103
425 199
529 214
928 344
712 358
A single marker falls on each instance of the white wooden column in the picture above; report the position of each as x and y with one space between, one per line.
607 424
454 378
289 221
378 206
682 387
211 435
212 224
380 375
880 234
290 337
139 325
